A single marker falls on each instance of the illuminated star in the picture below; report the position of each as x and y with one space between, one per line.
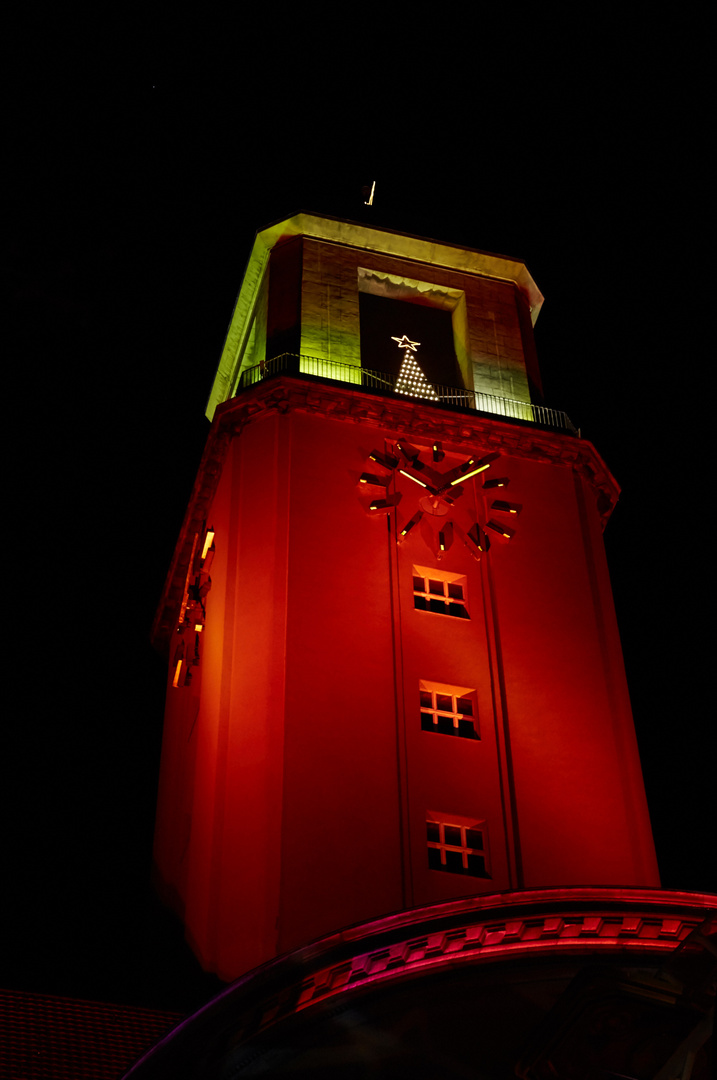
406 343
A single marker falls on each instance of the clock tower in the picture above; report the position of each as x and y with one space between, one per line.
395 675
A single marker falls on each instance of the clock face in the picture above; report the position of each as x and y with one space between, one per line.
425 481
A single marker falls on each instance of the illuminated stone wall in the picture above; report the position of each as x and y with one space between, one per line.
486 328
492 299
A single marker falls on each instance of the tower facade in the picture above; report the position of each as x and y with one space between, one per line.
395 675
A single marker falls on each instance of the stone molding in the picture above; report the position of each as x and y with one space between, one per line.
639 925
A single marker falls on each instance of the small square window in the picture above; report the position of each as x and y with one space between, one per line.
448 710
456 847
444 595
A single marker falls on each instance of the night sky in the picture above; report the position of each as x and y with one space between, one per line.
144 159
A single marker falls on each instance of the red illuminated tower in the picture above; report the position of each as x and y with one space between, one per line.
395 675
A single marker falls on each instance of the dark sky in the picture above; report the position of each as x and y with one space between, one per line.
144 158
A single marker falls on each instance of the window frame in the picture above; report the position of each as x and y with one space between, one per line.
470 829
453 593
464 722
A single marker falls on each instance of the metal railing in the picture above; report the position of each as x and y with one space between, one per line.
381 381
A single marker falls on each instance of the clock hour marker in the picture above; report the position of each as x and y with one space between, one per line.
387 460
414 521
410 453
503 530
445 536
478 538
383 504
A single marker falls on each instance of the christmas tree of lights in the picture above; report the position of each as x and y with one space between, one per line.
411 380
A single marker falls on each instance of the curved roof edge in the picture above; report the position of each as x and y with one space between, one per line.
519 927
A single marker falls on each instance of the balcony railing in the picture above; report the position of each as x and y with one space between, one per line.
381 382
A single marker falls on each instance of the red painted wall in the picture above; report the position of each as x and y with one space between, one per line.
294 801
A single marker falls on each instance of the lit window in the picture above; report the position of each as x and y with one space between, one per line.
444 594
448 710
456 847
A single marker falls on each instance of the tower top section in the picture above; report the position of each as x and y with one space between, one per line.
301 296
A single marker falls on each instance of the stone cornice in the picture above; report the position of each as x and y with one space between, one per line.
499 927
346 404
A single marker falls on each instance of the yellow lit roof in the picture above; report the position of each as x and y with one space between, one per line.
361 236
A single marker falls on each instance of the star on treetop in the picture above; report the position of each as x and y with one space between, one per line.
405 343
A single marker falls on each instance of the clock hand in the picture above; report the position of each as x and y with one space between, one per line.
468 469
421 483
